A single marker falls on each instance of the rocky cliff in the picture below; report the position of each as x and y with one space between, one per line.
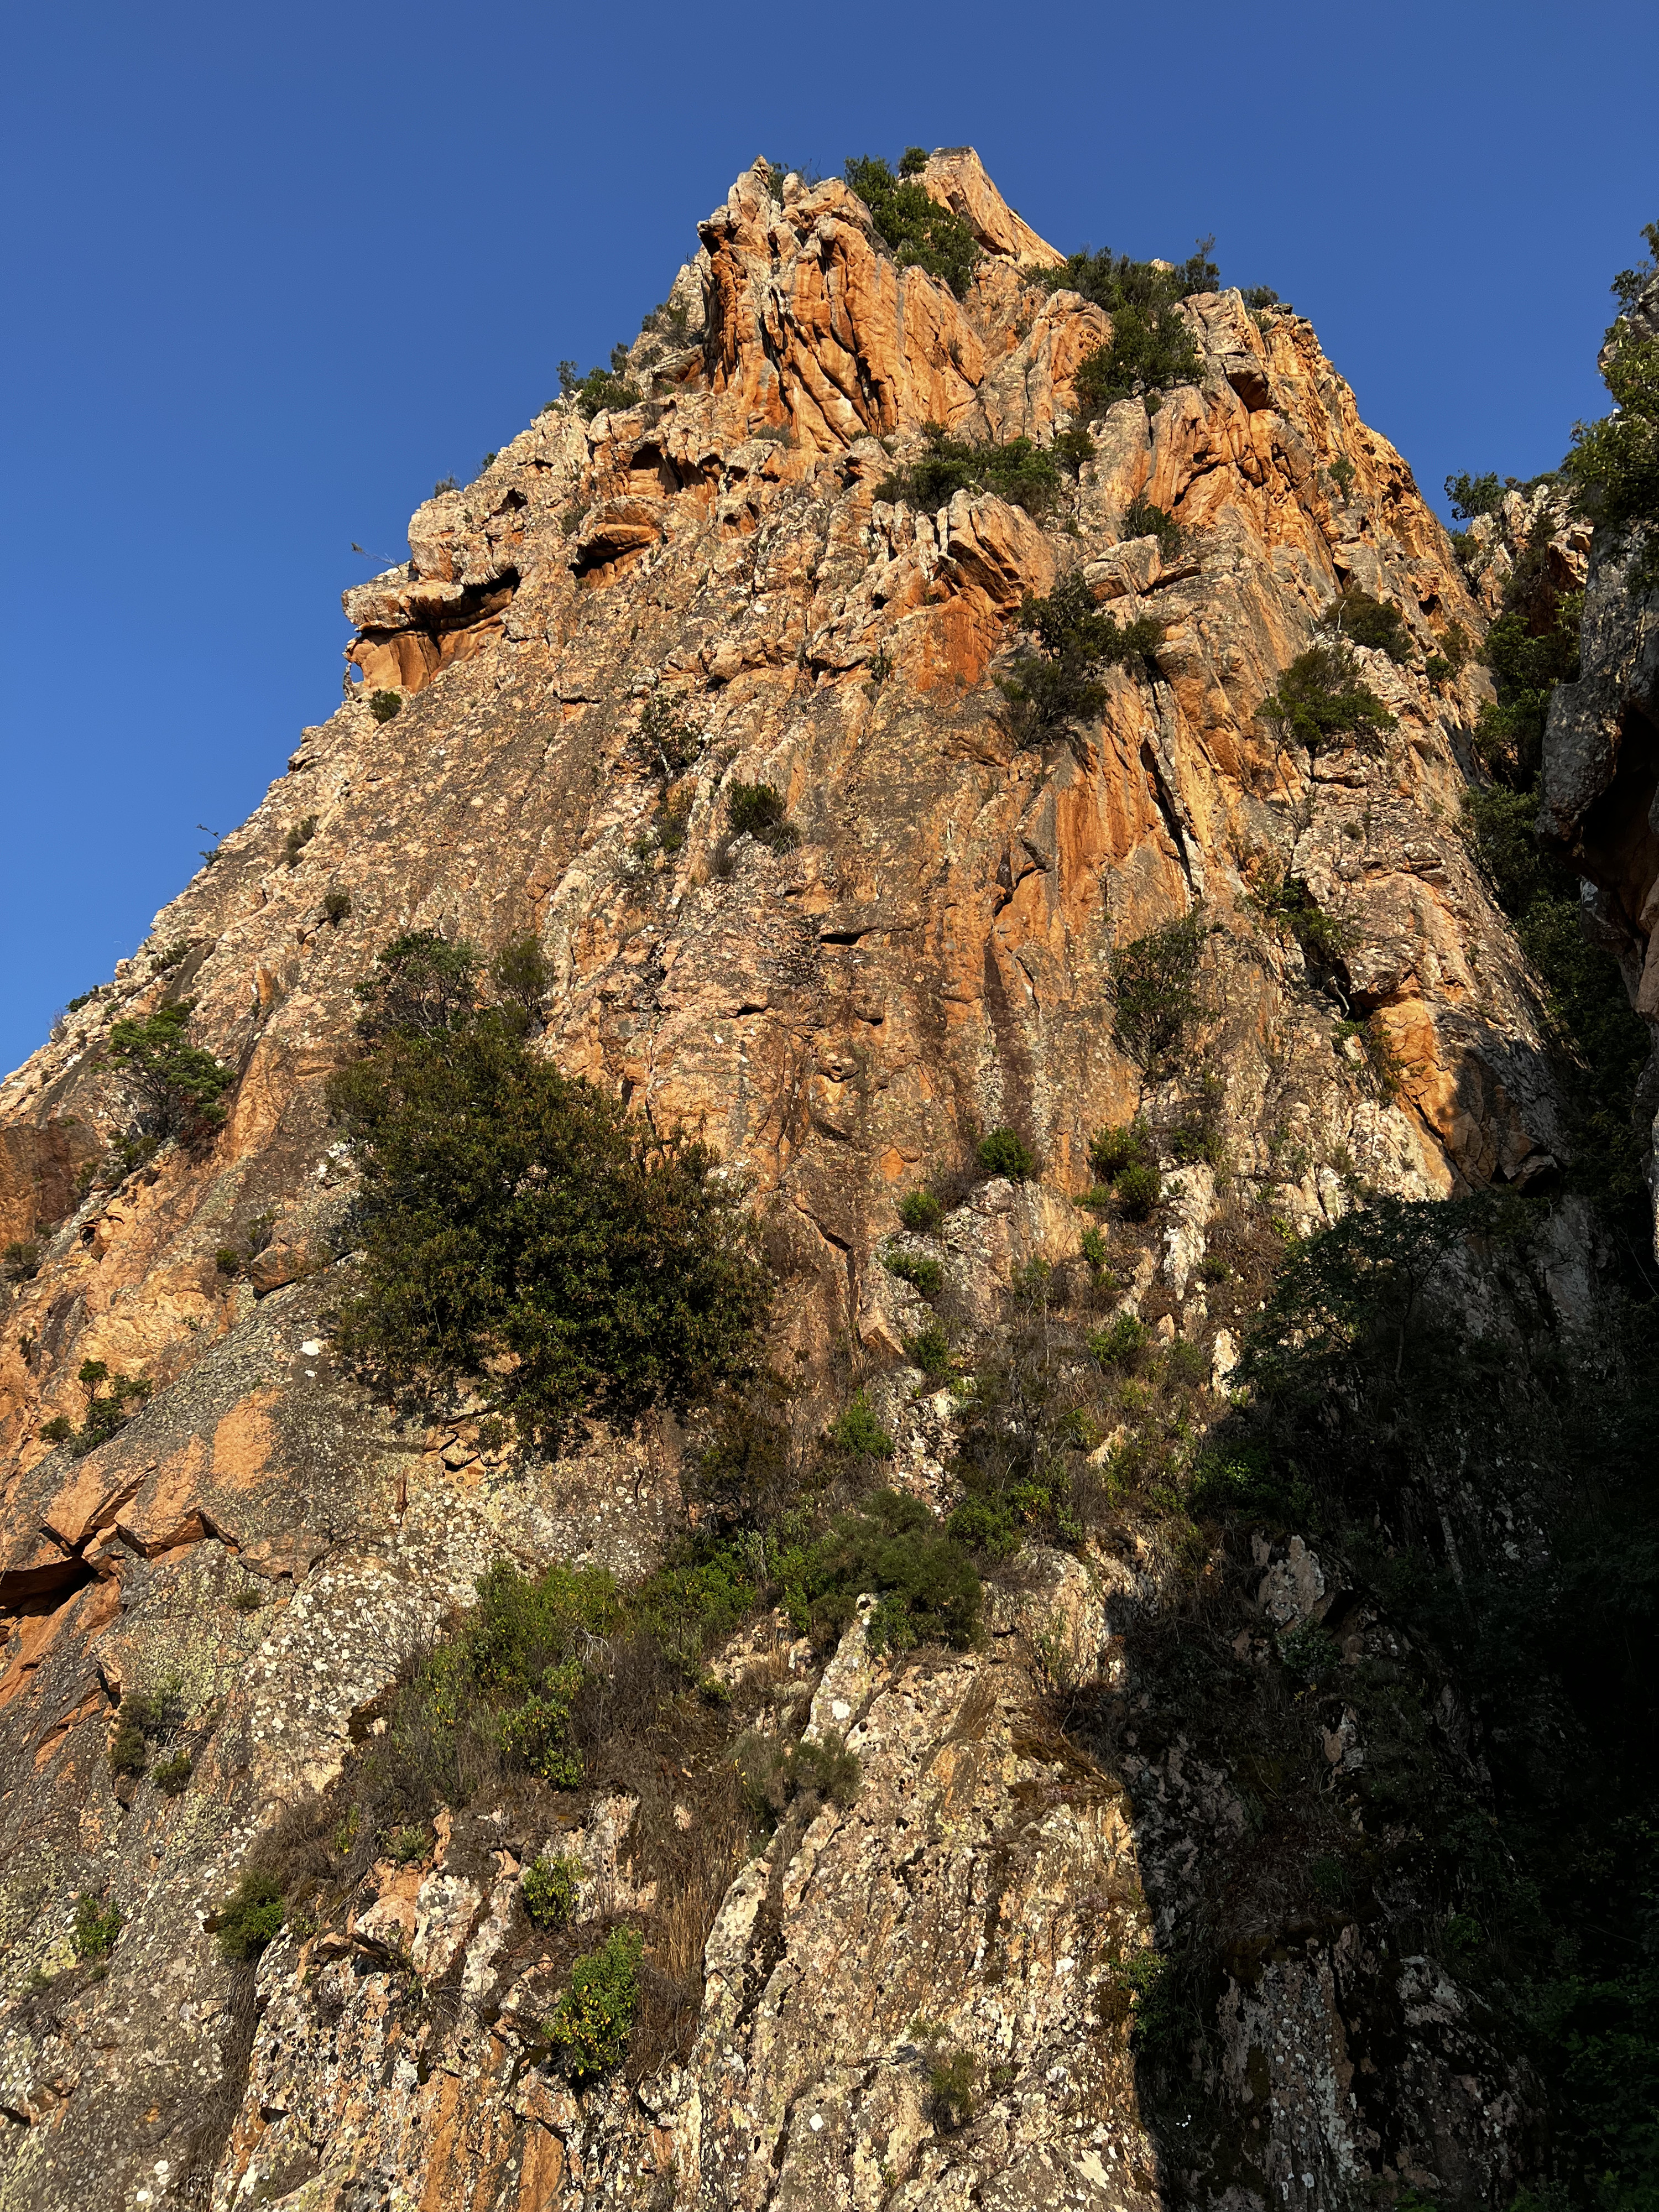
842 1016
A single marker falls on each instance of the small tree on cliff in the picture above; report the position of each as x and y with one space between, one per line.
175 1089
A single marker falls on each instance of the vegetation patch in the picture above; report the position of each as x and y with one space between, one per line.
111 1401
1154 984
1322 698
1053 683
521 1236
176 1089
757 810
601 389
918 232
1018 471
1613 466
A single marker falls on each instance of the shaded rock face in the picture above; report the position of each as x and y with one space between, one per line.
932 958
1601 802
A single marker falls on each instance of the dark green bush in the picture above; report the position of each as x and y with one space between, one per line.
1471 495
929 1349
336 905
1141 519
422 985
20 1260
129 1752
1613 466
1128 1146
601 388
96 1926
1321 697
1125 1342
593 2020
1154 990
227 1260
1050 689
1367 621
1150 351
444 484
252 1915
1324 939
172 1776
521 1235
1529 650
111 1400
925 1275
927 1587
521 975
951 2076
757 810
1018 471
1071 447
1003 1153
920 233
855 1429
920 1210
552 1888
299 836
984 1525
1139 1190
1114 281
176 1089
386 706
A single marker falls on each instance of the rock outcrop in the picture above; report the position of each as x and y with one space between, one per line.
840 1016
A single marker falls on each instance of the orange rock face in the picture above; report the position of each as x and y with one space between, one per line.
932 959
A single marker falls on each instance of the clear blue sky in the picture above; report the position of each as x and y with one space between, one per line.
270 271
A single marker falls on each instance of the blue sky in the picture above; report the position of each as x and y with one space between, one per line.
271 272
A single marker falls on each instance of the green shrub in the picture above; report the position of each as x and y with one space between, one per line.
1141 519
177 1089
1071 447
227 1260
1003 1153
1154 990
921 1212
1613 466
601 389
1128 1146
1342 475
1125 1342
422 985
551 1890
929 1349
522 1235
920 233
1139 1190
1018 471
1324 939
521 975
111 1401
386 706
96 1926
757 811
1321 697
1367 621
894 1549
408 1846
172 1776
251 1916
444 484
1057 684
128 1750
1528 656
1471 495
299 836
668 741
593 2020
777 1775
984 1525
1150 351
336 905
855 1429
20 1260
926 1276
951 2075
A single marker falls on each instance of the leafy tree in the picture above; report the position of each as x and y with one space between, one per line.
601 389
920 233
757 810
1150 351
1367 621
1114 281
1154 989
177 1089
521 1235
1018 471
421 986
1055 685
1471 495
252 1915
1321 696
1003 1152
1613 466
111 1400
